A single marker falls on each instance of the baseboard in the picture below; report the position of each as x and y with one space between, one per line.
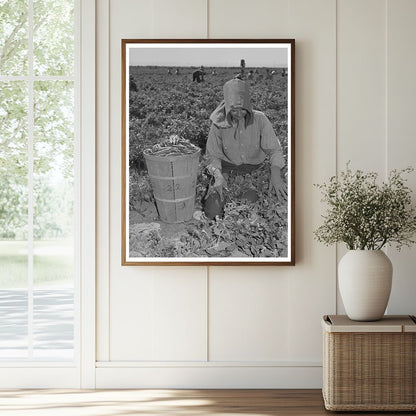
39 378
209 377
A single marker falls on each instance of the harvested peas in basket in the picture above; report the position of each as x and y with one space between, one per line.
175 145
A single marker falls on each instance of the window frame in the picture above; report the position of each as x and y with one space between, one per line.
81 371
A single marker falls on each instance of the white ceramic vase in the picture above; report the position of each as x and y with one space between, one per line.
364 278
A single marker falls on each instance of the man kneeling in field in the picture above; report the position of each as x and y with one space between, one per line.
241 138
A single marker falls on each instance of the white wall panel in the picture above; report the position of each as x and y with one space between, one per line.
180 308
361 90
240 19
361 84
156 313
131 315
131 18
248 314
179 19
158 18
130 289
401 143
311 282
159 316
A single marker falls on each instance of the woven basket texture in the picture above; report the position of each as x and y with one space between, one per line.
369 371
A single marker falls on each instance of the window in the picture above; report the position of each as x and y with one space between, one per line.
38 181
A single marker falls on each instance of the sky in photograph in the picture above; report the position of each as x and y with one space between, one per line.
258 55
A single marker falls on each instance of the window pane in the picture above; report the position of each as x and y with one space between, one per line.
53 37
13 219
53 319
14 320
53 197
13 160
53 171
13 37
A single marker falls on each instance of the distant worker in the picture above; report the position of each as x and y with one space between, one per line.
132 84
198 75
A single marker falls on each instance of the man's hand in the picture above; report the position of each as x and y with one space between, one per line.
220 183
277 182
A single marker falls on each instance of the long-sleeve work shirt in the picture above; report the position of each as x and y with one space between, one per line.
241 144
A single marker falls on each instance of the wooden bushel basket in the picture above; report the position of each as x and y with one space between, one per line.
173 181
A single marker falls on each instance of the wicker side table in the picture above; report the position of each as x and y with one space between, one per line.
369 366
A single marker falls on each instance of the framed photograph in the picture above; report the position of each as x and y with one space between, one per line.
208 151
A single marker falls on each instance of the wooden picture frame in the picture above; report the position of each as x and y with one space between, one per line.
184 144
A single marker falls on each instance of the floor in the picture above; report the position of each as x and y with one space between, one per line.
165 402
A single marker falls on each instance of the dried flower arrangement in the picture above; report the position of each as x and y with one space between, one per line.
366 215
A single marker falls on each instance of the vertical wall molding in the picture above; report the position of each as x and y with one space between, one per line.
387 70
336 146
207 312
103 182
207 19
401 133
88 188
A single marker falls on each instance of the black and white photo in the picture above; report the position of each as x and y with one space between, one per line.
208 152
